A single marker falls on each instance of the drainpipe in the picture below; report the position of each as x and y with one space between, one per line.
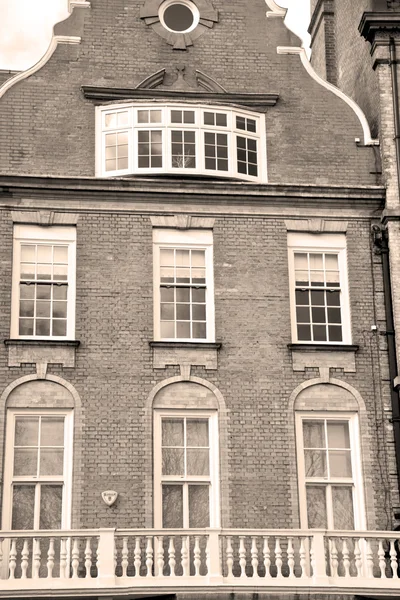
394 393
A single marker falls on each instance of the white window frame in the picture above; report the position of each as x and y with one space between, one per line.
65 479
213 478
47 236
356 480
321 243
190 239
166 126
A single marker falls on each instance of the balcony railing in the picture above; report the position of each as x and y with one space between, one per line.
211 558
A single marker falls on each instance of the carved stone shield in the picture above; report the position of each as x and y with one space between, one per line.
109 497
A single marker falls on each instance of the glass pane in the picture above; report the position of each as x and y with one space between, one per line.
43 292
182 294
167 275
316 261
59 327
343 512
334 315
300 261
209 118
155 116
183 312
317 278
199 312
303 314
26 327
43 309
28 253
176 116
173 461
110 120
167 294
183 329
338 434
50 506
51 461
167 312
198 461
316 507
318 314
26 431
221 120
23 507
25 462
199 330
335 333
26 292
319 333
332 298
52 431
197 432
198 295
331 262
318 298
44 254
166 257
26 308
340 463
42 327
313 434
315 463
167 329
44 272
61 272
123 118
304 333
27 272
172 432
199 506
302 298
143 116
302 279
198 258
59 310
182 258
172 506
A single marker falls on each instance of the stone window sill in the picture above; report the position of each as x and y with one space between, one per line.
323 347
201 354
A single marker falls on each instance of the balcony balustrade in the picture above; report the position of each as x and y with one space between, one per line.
108 559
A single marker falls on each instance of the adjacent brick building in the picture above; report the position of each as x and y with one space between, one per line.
196 384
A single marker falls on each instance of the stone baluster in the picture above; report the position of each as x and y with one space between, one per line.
63 559
303 558
254 556
171 556
185 555
346 558
242 556
125 557
88 557
370 560
229 555
278 557
160 556
381 559
393 559
358 557
334 557
290 555
12 559
197 556
36 558
149 556
24 559
50 558
137 557
267 557
75 558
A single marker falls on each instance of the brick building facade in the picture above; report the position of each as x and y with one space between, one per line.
195 376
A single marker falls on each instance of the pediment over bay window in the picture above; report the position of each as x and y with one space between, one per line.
181 139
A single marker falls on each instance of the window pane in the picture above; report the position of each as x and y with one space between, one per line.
26 431
25 462
304 333
23 507
50 506
59 310
173 461
198 295
42 327
182 294
52 431
59 328
338 434
28 253
199 331
43 308
166 257
43 292
315 463
199 506
44 254
26 327
167 312
51 461
199 312
343 512
182 258
172 432
340 463
313 434
167 329
316 507
335 333
183 329
319 333
183 312
27 292
172 506
198 461
167 294
197 432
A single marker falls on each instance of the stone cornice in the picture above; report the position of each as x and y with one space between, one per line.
372 22
14 186
105 94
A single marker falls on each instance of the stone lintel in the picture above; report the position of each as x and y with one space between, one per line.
326 357
41 353
186 355
316 225
182 222
44 217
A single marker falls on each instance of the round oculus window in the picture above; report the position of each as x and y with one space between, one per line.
179 16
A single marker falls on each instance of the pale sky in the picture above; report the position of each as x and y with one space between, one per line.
26 27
